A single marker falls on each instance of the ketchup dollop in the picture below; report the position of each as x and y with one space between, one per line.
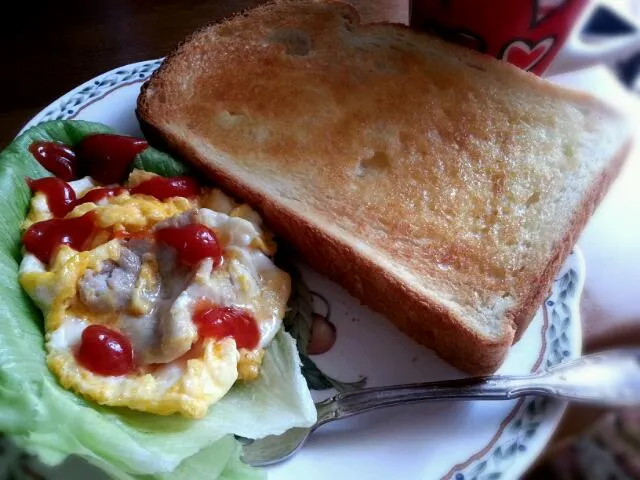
167 187
107 158
60 196
62 199
192 243
43 238
57 159
98 194
105 351
223 322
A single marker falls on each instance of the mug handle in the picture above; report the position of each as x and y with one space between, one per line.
576 53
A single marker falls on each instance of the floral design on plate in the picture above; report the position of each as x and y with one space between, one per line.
530 412
314 332
68 106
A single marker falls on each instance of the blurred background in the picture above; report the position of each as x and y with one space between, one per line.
50 47
614 18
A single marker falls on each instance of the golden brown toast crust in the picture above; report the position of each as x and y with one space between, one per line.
297 110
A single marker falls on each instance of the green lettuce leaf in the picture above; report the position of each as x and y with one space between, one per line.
221 461
51 422
153 160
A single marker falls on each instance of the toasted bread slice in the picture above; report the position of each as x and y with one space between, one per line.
440 187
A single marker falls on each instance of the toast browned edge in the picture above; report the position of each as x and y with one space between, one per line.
424 320
528 307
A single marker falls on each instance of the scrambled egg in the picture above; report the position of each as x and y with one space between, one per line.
140 290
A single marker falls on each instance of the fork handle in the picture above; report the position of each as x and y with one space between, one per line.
354 402
609 378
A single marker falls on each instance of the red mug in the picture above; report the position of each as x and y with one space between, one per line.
526 33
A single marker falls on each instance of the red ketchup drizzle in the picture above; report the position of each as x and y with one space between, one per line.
60 196
167 187
105 351
108 158
222 322
43 238
104 156
193 243
56 158
98 194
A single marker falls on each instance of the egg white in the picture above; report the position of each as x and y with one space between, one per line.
247 278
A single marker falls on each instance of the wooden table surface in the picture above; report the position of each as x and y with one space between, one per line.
65 44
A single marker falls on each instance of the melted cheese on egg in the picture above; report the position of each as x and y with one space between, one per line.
177 371
188 387
134 213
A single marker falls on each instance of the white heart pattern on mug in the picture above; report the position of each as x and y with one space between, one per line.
525 54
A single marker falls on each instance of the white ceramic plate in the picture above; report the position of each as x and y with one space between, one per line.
457 440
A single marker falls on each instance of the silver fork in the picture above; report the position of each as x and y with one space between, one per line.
610 378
